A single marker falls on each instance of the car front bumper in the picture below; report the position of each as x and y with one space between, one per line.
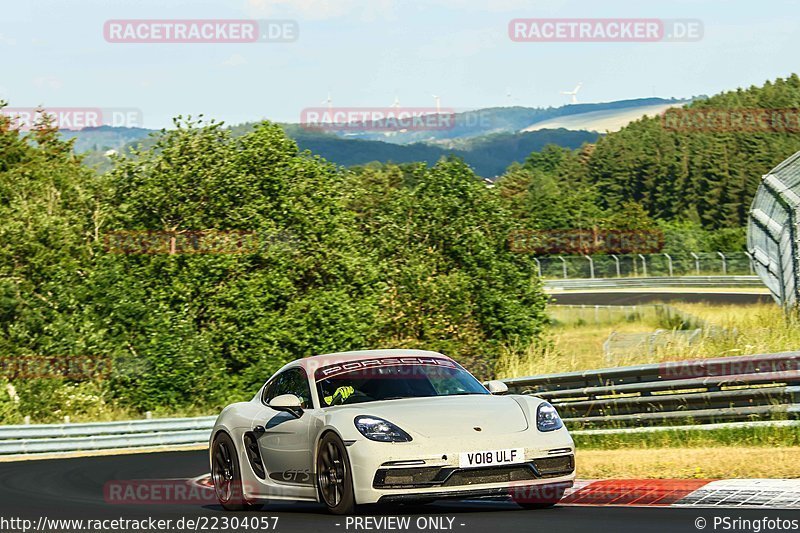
430 470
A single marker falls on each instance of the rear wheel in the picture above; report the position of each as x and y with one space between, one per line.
334 476
227 476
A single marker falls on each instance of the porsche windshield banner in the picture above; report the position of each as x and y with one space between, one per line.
367 367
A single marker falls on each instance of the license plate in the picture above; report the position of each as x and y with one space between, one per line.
509 456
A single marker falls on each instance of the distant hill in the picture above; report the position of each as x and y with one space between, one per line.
489 155
488 139
606 120
104 138
705 175
487 121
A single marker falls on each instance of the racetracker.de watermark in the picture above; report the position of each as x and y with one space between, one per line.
74 118
724 366
193 31
585 241
752 120
158 491
590 30
76 367
383 119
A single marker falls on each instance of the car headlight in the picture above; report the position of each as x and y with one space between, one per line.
547 418
378 429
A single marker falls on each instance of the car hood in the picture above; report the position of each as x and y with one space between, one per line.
448 416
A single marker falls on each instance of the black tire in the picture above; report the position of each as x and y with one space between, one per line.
334 476
227 476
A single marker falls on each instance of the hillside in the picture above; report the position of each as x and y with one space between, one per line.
488 139
695 175
488 156
604 120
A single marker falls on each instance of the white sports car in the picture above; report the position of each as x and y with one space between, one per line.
387 426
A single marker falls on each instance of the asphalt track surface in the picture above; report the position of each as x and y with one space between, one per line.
639 298
73 488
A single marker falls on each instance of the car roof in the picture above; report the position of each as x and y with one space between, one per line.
310 364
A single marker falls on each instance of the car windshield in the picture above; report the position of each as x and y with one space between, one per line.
375 381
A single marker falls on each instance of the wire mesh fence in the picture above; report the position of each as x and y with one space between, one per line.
645 265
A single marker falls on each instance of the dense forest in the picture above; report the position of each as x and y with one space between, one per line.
379 255
703 178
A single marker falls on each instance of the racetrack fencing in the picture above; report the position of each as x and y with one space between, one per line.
645 265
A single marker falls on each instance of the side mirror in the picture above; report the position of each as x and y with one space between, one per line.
288 403
496 387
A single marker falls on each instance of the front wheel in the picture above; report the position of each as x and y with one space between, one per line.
334 476
227 476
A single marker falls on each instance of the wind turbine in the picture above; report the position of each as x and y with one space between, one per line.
329 101
438 104
573 93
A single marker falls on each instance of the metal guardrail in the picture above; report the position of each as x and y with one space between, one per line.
712 393
725 389
43 438
664 282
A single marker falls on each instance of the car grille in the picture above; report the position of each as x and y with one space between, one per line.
435 476
497 474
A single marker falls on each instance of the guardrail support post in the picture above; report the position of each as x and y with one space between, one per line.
669 263
564 266
724 263
538 267
644 265
750 262
616 261
591 266
696 262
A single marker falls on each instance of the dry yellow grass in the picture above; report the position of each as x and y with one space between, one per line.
699 463
751 329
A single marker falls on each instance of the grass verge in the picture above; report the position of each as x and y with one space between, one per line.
697 463
766 436
577 345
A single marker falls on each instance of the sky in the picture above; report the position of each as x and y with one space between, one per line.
366 53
